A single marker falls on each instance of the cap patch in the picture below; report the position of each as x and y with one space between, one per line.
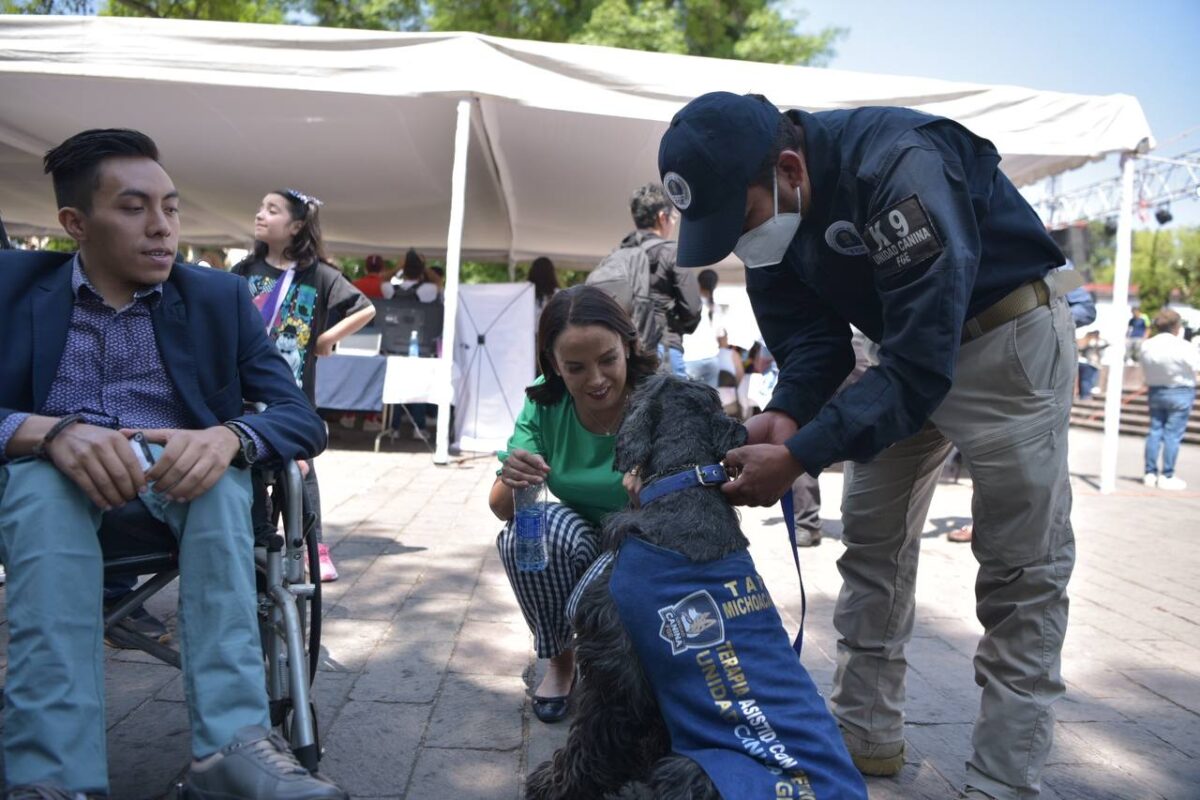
901 236
842 237
678 190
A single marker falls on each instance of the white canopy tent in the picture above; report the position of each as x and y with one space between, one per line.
551 138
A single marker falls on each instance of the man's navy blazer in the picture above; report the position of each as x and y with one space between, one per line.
211 338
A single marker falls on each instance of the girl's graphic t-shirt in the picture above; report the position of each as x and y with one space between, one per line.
319 297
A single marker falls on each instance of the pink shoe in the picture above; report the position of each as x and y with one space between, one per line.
328 570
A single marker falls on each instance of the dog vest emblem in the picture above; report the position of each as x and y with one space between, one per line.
733 693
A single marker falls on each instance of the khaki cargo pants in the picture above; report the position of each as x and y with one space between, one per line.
1007 412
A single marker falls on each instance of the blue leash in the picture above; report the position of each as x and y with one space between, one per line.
788 505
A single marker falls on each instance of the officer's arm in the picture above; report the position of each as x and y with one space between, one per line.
923 239
810 343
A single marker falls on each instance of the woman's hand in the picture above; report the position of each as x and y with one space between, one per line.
522 469
633 484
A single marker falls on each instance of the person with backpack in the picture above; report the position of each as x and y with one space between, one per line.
640 275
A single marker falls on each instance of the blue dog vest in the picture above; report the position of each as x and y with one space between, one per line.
732 691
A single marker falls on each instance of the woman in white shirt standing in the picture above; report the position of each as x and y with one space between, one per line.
1170 364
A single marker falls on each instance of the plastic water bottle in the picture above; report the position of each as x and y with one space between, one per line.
414 345
530 505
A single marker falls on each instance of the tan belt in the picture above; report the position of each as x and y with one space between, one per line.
1022 300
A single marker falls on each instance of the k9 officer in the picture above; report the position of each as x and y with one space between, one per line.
902 224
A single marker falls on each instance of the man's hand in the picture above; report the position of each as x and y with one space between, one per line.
522 469
770 427
765 472
99 461
191 462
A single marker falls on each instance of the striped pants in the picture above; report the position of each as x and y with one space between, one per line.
572 544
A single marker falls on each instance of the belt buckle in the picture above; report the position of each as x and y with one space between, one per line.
700 478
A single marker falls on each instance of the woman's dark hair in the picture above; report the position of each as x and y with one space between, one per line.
414 265
707 279
74 166
585 305
307 245
373 264
543 277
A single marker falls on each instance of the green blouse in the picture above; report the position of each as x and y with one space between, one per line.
581 462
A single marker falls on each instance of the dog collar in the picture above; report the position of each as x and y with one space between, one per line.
709 475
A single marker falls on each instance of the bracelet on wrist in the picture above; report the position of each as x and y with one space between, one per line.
39 449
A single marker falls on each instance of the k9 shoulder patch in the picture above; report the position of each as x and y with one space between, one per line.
901 236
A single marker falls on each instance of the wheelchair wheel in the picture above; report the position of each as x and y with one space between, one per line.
310 756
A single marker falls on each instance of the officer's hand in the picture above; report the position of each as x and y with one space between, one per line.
770 427
191 462
522 469
764 473
100 462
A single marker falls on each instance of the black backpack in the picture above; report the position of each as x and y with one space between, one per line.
625 275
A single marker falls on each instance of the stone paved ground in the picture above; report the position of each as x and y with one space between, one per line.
426 663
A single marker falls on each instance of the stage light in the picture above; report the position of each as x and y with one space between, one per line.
1110 226
1163 214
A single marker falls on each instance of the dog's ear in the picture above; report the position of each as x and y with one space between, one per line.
635 440
728 433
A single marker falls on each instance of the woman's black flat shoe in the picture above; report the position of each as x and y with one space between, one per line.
551 709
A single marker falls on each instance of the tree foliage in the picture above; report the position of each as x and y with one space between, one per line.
752 30
1165 264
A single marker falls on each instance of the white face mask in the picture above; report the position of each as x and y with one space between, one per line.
766 245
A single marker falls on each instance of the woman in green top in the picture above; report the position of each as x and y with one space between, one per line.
591 360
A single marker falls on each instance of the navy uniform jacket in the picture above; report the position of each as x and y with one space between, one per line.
211 337
912 230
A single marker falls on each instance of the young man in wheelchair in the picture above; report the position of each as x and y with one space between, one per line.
114 339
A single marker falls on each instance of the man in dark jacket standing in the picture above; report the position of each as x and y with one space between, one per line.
676 293
902 224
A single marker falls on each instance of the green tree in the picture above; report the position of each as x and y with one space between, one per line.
75 7
1165 264
224 10
753 30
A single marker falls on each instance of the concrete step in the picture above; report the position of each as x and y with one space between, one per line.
1135 415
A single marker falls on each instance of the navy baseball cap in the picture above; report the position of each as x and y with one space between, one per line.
707 159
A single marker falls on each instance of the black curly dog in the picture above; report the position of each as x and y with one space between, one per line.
618 746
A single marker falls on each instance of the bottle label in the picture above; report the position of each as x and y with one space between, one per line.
529 523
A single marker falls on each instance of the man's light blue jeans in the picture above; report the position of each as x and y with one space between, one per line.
54 726
1170 407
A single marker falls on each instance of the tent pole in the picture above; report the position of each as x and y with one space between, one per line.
458 183
1116 332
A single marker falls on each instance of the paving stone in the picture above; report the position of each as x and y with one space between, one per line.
404 672
127 686
346 644
371 748
478 712
492 648
466 774
148 750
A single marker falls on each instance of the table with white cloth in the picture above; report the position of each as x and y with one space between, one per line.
375 383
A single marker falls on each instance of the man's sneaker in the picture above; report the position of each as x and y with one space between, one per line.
807 538
42 792
256 765
142 621
328 570
1150 480
1172 484
880 760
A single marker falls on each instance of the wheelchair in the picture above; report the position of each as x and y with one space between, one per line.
289 605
